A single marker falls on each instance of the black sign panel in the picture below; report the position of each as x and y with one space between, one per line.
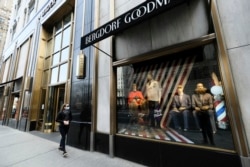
140 13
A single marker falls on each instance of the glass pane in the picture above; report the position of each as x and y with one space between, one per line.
58 27
56 59
15 108
25 109
6 69
67 20
63 73
65 54
22 59
175 98
57 45
54 75
49 112
66 37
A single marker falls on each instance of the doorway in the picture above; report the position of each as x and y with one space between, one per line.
55 101
59 102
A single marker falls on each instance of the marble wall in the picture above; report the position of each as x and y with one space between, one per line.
166 29
235 22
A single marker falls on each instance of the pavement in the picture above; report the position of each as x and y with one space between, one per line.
29 149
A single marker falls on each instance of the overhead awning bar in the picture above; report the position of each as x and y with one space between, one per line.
1 84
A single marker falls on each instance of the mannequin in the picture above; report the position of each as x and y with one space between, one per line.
181 105
202 103
153 94
136 103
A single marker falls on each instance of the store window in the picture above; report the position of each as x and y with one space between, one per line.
6 69
175 98
23 57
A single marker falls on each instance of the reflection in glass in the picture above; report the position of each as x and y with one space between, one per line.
63 72
66 37
58 27
57 44
25 109
66 20
54 75
15 108
56 58
65 54
49 112
188 68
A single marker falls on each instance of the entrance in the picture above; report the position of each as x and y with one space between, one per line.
15 111
58 104
55 101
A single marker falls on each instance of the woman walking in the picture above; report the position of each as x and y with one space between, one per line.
64 117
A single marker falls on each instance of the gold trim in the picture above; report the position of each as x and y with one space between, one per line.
230 93
48 124
47 131
178 144
95 72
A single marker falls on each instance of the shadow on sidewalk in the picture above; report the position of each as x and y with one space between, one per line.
53 136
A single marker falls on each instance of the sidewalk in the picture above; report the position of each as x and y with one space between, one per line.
23 149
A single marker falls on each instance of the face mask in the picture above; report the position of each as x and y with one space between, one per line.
66 108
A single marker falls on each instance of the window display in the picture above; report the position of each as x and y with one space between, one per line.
174 98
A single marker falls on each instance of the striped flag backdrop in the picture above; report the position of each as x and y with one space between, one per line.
169 73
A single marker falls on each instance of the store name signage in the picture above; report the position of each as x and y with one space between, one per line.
48 7
132 17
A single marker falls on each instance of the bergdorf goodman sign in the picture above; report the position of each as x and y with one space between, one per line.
132 17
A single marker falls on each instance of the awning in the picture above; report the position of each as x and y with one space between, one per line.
132 17
2 84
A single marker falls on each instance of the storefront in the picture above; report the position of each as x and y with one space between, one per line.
120 65
176 48
37 67
55 50
15 98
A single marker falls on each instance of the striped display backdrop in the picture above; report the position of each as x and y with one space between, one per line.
167 134
169 74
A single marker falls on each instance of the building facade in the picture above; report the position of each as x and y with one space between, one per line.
92 54
5 12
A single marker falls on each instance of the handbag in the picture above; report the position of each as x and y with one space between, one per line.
66 122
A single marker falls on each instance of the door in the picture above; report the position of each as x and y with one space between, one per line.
55 101
59 102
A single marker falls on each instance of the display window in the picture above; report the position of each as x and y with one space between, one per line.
175 98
